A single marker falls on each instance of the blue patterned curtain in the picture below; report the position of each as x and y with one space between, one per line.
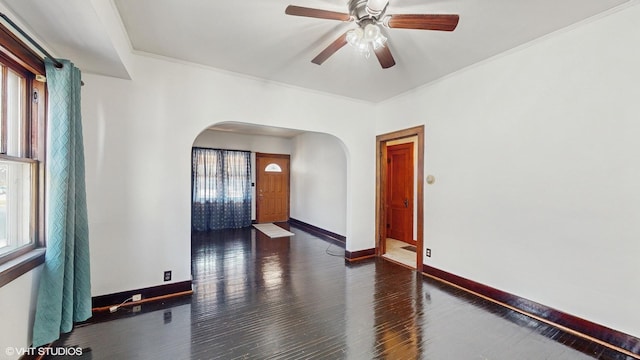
64 296
221 189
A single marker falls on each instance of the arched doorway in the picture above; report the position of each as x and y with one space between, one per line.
318 169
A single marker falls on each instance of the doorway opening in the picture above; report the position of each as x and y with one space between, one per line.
399 196
293 167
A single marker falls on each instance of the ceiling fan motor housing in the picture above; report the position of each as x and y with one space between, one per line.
361 10
377 7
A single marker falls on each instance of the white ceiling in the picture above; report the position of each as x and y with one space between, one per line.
256 38
71 30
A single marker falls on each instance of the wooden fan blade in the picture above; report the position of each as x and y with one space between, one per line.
331 49
423 21
316 13
384 57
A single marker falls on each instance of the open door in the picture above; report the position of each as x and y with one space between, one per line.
272 188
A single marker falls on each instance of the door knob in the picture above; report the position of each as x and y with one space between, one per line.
406 203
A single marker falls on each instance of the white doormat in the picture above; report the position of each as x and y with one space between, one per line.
272 230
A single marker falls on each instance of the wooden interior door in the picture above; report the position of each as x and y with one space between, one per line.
400 192
272 188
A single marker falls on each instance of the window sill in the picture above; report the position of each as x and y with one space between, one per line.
12 269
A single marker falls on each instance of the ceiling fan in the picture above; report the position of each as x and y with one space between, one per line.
369 15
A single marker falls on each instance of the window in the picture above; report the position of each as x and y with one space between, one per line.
221 185
273 167
220 174
21 148
16 208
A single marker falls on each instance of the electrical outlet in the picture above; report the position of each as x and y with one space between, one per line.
167 275
136 297
136 308
428 252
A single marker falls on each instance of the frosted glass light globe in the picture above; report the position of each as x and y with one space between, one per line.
371 32
354 36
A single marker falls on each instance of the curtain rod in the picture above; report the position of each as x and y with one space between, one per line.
57 63
206 148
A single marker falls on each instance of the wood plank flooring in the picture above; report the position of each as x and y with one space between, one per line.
288 298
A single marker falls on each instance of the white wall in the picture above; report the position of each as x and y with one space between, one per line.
17 311
138 139
535 154
254 143
318 182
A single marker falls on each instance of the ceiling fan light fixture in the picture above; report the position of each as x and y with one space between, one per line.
354 36
369 15
367 39
379 42
371 32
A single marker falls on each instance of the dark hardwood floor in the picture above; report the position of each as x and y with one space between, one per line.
288 298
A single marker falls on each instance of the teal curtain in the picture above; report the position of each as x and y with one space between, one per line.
64 296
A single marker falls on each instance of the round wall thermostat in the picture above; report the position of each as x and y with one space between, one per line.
430 179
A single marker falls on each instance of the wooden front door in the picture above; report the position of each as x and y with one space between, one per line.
400 192
272 187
